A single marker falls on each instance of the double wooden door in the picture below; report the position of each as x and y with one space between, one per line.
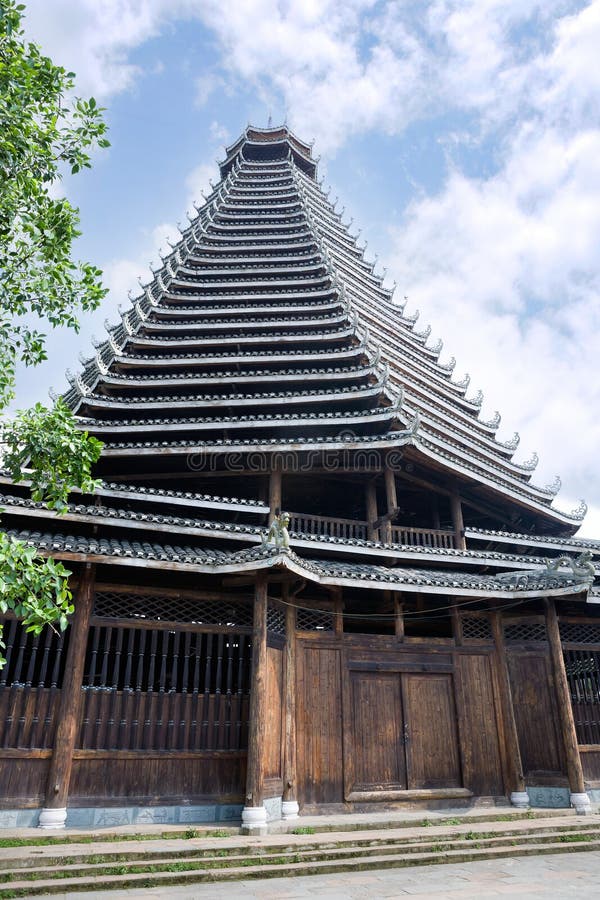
404 733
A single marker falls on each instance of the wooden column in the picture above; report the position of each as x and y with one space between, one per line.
509 738
579 797
391 500
457 519
398 616
54 813
371 509
290 807
274 494
254 813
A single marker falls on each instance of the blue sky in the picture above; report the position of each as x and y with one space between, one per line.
462 136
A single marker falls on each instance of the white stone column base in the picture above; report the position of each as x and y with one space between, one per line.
254 816
520 799
582 803
289 809
53 818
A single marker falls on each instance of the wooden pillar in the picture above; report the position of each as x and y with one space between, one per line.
457 519
579 797
371 509
54 813
398 616
254 813
290 808
274 494
391 501
509 738
456 623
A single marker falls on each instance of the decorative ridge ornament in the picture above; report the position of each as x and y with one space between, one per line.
494 422
554 486
278 535
582 568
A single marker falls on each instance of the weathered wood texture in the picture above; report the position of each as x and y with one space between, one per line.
432 755
274 712
563 696
319 725
289 705
69 709
258 699
101 779
165 689
376 754
536 714
477 716
23 780
507 722
590 760
30 685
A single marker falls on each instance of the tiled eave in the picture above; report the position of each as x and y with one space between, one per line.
221 401
293 337
157 521
262 421
539 541
191 559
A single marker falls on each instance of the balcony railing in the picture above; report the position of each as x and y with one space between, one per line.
355 529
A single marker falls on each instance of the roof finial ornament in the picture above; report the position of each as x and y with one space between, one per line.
270 120
52 394
554 486
580 511
513 443
530 464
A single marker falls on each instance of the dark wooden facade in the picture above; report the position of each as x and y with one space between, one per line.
428 636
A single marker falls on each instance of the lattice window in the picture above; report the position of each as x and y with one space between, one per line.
580 632
173 609
165 689
30 685
276 619
525 631
477 628
314 620
583 675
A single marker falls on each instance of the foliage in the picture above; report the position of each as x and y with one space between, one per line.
58 454
40 134
44 131
35 589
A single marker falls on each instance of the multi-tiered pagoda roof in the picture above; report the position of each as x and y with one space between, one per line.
266 341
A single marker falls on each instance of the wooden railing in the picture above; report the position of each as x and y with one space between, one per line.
355 529
422 537
348 529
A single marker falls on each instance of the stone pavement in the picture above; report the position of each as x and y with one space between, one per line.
564 876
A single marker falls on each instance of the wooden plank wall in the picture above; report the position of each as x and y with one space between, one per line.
536 716
273 757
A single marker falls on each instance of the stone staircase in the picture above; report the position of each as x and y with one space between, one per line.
37 866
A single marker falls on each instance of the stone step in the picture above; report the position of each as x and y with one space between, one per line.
125 881
296 858
160 850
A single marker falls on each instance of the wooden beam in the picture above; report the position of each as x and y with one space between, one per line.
258 712
54 813
579 797
507 726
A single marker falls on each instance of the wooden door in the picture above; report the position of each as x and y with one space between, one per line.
432 757
535 713
319 725
377 757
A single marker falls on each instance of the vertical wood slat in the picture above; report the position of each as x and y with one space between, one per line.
34 734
